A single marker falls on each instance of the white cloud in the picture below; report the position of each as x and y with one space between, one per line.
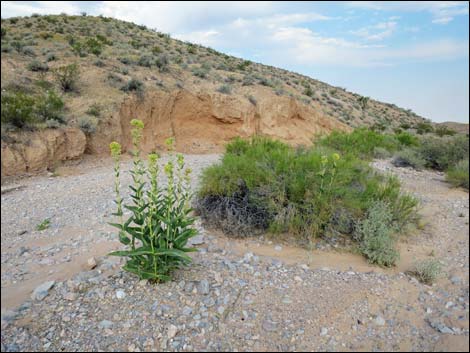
181 16
23 8
376 32
443 12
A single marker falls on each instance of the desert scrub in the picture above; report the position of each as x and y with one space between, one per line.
458 174
409 158
88 124
264 185
67 77
426 271
442 153
159 227
361 142
375 235
44 224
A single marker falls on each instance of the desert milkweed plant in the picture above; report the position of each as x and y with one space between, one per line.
159 227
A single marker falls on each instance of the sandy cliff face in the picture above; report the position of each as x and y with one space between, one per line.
37 151
199 122
204 123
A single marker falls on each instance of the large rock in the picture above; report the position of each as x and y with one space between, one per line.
30 152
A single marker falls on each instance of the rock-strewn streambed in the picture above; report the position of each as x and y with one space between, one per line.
237 295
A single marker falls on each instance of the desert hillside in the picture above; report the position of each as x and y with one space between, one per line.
97 73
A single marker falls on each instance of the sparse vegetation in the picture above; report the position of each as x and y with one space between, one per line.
67 77
409 158
375 235
44 224
458 175
88 124
427 271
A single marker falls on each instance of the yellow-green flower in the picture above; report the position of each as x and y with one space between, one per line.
180 160
137 123
169 142
336 156
169 168
324 159
153 157
115 148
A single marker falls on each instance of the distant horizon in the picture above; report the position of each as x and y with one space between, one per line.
412 54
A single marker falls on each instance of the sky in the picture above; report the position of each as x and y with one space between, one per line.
413 54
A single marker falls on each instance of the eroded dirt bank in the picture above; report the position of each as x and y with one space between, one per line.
200 123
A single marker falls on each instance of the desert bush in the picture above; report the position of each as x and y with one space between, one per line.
51 57
252 100
53 124
458 174
99 63
17 108
37 66
375 235
426 271
133 85
67 77
145 61
262 185
381 153
163 63
409 157
442 153
88 124
94 46
159 227
407 139
361 142
424 127
200 72
3 32
49 106
94 110
444 131
225 89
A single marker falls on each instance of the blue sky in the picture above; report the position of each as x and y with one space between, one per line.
413 54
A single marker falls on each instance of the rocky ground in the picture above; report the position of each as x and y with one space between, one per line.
61 293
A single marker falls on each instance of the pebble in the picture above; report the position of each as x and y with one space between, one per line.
120 294
42 291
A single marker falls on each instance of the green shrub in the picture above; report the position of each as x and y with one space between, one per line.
458 174
94 110
88 124
163 63
51 57
407 139
381 153
3 32
133 85
263 184
67 77
200 72
94 46
17 108
361 142
145 61
426 271
44 224
159 227
442 153
443 130
49 106
225 89
375 235
37 66
424 127
409 158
